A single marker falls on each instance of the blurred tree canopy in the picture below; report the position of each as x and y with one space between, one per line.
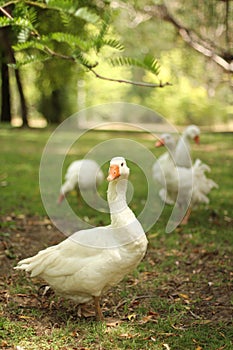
59 56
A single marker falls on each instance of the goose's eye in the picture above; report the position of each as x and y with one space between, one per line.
122 164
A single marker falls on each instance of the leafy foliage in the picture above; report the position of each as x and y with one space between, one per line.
68 6
20 22
114 44
93 34
29 59
72 40
85 60
148 63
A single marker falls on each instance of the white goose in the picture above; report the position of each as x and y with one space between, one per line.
164 162
182 152
89 262
181 156
85 174
190 183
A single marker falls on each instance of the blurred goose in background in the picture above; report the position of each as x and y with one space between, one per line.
182 156
89 262
164 162
187 187
84 174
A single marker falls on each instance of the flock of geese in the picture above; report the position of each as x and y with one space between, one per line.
89 262
182 182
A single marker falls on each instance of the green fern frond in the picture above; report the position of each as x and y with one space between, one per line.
29 59
151 64
72 40
28 45
22 22
113 43
104 25
84 60
104 28
68 6
32 15
65 18
23 18
5 22
148 63
23 35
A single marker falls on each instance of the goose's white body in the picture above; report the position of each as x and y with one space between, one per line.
85 174
191 183
91 261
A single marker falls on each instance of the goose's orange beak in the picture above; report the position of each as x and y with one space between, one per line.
113 172
159 143
197 139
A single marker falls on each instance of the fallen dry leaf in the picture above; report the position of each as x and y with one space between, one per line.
24 317
21 216
131 317
4 343
184 296
85 311
112 322
148 318
145 319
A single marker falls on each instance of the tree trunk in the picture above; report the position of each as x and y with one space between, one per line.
5 93
10 58
51 106
24 110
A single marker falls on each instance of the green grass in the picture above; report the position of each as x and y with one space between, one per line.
179 298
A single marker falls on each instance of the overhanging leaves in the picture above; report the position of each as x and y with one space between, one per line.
148 63
70 39
115 44
38 41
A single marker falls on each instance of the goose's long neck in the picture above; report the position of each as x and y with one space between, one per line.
185 140
171 150
182 152
119 210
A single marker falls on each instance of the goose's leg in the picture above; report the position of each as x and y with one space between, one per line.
98 312
60 198
186 217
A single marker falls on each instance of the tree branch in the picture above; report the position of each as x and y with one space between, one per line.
137 83
205 51
97 75
5 12
191 38
32 3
